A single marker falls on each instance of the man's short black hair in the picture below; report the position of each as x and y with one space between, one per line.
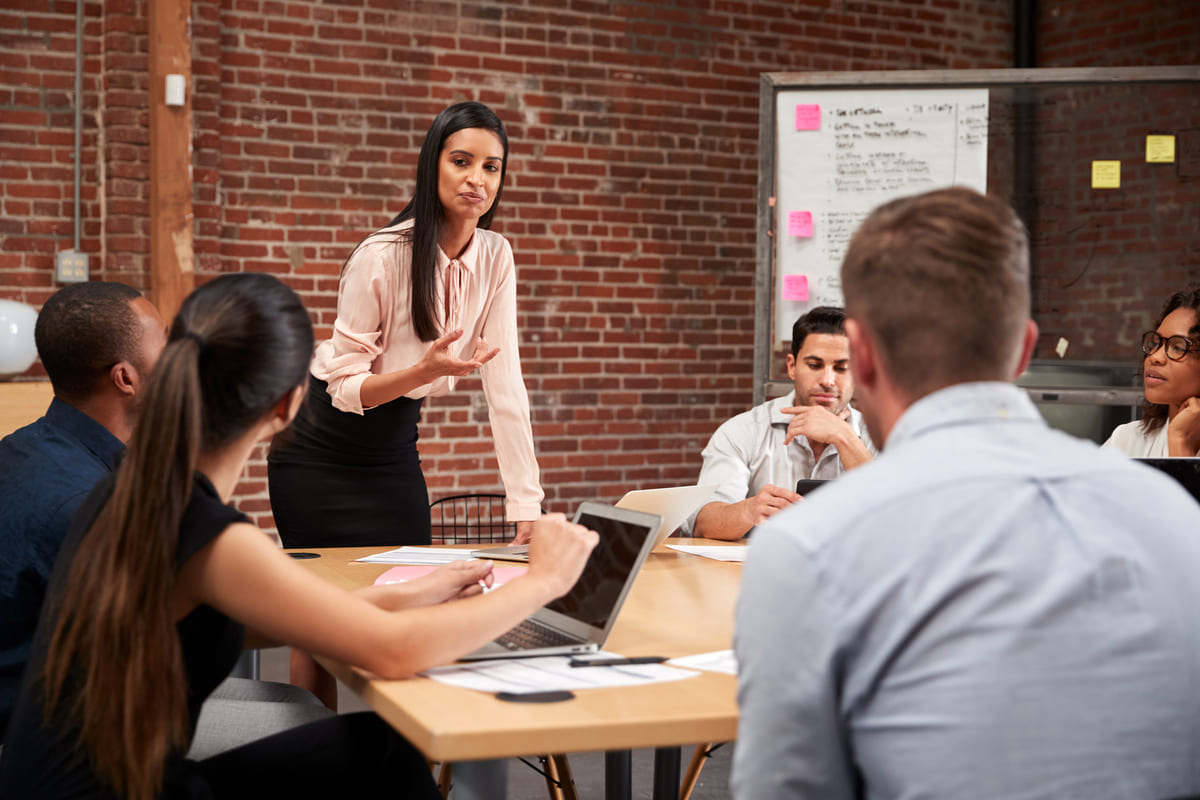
822 319
82 330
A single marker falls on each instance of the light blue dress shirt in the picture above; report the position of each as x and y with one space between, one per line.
992 609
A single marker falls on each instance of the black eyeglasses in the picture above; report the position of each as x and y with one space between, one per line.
1177 346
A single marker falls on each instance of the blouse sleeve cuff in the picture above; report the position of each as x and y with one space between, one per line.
346 395
521 512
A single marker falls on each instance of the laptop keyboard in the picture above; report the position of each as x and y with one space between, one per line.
530 635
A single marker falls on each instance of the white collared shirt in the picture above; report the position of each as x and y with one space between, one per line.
747 453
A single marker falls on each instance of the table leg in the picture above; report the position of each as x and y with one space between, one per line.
480 780
666 773
618 775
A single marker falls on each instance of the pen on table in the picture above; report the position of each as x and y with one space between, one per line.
617 662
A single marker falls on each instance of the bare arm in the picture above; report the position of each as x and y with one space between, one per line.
819 424
244 576
718 520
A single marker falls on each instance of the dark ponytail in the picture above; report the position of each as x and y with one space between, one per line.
239 344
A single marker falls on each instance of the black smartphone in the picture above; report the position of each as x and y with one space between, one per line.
806 487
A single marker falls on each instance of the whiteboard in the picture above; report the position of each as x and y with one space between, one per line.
839 154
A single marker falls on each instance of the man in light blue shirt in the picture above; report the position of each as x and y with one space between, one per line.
991 609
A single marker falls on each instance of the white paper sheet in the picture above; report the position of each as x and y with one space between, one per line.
418 555
716 552
716 661
550 673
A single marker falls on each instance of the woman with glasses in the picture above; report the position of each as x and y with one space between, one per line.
1170 423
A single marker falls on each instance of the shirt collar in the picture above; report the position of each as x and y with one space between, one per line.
777 406
468 259
91 434
964 403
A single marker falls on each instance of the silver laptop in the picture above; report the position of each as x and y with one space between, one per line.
674 504
580 621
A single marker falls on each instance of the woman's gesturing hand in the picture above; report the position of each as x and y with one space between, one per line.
438 361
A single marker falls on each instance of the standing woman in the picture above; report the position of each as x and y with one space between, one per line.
1170 423
421 303
160 583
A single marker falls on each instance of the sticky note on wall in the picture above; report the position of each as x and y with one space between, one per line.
1160 149
795 287
1106 174
808 117
800 223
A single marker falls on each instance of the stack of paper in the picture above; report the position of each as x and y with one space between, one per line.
418 555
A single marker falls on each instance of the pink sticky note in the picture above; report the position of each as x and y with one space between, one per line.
795 287
800 223
808 117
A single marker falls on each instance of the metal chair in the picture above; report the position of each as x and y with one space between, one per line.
480 519
470 519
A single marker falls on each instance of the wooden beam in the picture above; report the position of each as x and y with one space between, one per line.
172 254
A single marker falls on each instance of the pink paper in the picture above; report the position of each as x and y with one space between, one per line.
800 223
808 117
409 572
795 287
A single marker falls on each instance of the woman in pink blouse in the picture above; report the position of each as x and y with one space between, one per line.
422 303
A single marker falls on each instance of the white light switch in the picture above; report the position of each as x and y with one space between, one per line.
175 89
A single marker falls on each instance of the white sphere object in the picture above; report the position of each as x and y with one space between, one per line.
17 348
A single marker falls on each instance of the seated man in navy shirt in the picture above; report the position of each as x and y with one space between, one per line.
98 342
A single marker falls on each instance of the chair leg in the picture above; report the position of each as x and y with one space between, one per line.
445 779
550 771
566 781
693 771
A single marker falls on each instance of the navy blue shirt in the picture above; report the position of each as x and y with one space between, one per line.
46 470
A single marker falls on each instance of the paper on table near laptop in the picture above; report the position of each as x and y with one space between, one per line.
550 673
735 552
418 555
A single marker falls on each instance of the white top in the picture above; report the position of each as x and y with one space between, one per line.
1131 441
373 334
747 453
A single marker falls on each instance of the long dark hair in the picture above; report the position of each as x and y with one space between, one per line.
1154 415
239 344
425 209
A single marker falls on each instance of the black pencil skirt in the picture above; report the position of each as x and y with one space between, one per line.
343 480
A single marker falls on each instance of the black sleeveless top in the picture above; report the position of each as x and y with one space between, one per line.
44 761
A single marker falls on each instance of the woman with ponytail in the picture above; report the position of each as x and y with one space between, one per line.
161 583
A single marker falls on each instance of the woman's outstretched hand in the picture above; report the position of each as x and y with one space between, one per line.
439 362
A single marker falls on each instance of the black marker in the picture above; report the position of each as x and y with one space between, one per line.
617 662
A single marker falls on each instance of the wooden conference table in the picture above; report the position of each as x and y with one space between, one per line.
679 605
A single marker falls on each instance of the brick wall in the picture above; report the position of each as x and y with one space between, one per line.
630 202
1106 259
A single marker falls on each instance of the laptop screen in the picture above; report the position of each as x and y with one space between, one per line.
599 588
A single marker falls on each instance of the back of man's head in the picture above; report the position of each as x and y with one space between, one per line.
822 319
82 331
941 281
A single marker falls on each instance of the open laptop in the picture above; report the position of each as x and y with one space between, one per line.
580 621
674 504
1184 470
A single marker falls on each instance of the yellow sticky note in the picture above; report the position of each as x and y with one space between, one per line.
1106 174
1160 149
